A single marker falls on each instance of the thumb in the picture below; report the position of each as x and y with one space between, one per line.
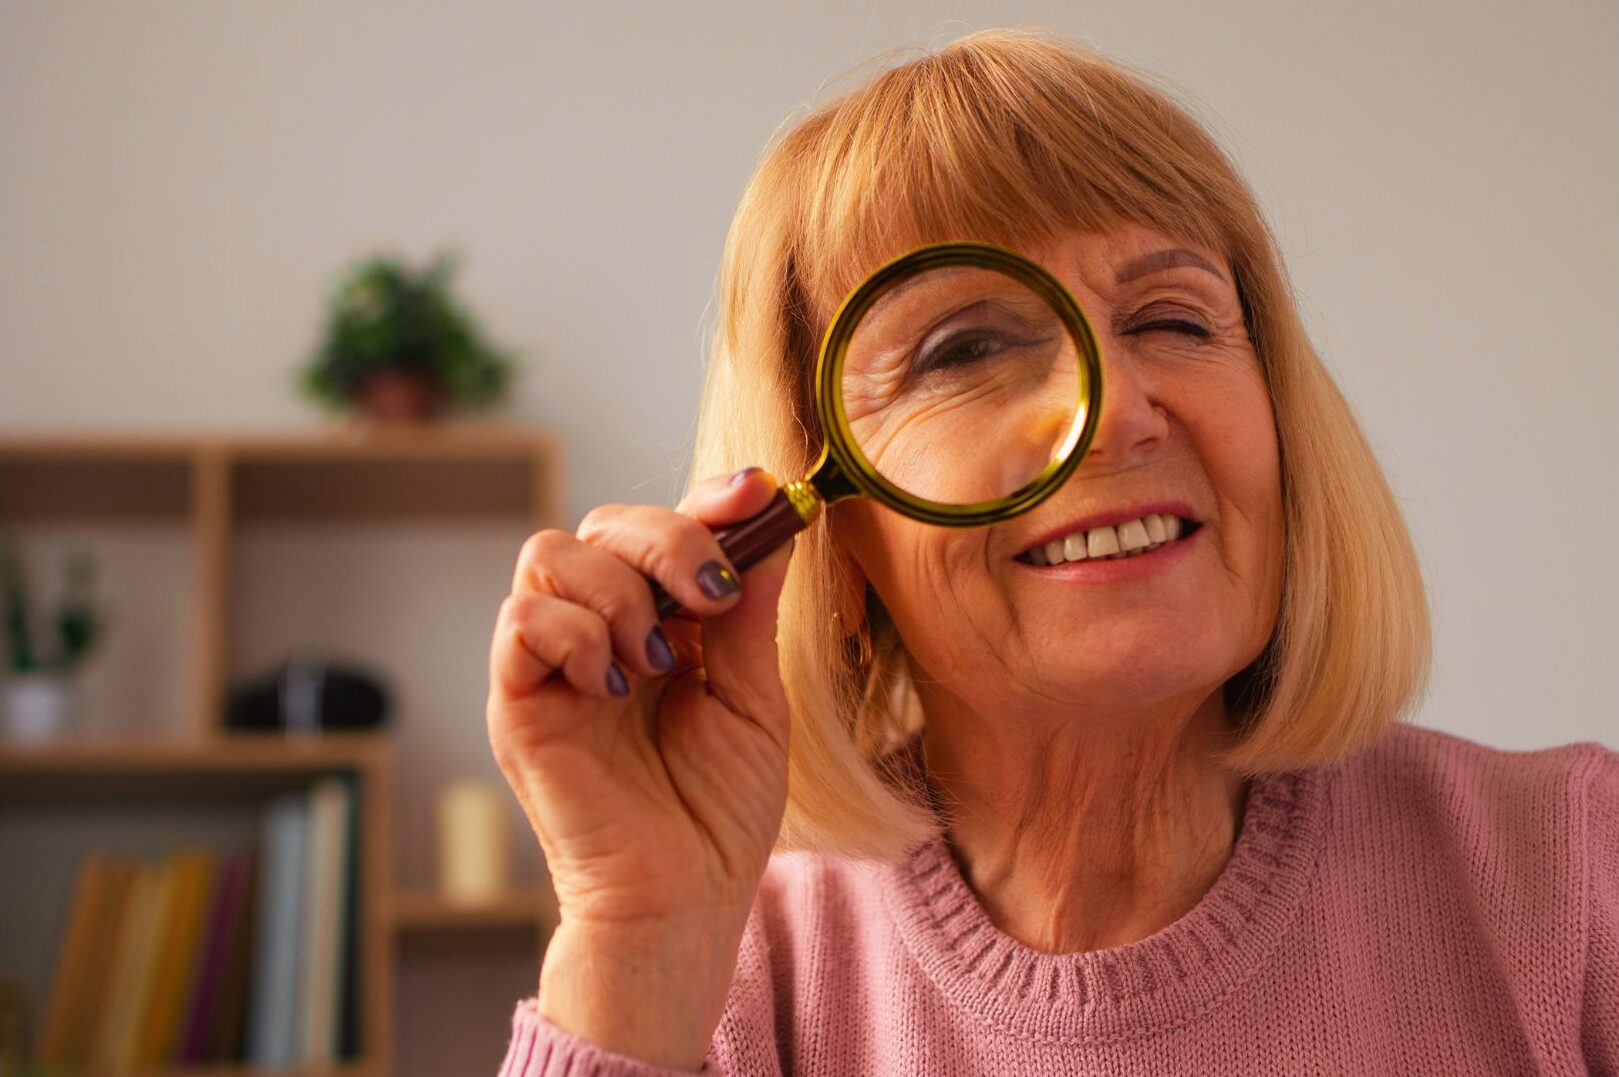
740 656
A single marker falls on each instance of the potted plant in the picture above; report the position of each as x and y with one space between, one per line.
39 689
398 347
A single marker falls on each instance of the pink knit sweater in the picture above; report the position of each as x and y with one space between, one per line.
1430 906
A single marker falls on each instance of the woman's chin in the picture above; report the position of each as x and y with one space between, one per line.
1127 678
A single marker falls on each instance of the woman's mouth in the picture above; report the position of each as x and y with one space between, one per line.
1117 542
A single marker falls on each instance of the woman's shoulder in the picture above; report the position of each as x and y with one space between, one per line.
1512 857
1521 831
1425 771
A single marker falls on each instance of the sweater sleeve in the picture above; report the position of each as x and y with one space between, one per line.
1600 1028
744 1043
539 1048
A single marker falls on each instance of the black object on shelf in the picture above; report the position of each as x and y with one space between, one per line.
307 694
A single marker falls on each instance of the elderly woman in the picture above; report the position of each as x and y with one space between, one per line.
906 799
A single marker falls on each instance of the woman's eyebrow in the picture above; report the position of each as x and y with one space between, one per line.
1161 260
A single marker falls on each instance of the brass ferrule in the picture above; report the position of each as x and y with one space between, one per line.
804 500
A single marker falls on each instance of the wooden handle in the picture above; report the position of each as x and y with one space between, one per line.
746 543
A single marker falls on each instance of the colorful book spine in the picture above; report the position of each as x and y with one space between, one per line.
273 1022
89 935
208 987
227 1029
323 896
175 963
119 1032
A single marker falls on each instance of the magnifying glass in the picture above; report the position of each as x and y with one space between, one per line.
959 384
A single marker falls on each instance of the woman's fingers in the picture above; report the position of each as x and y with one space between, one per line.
727 499
581 605
677 548
739 649
599 580
739 646
538 634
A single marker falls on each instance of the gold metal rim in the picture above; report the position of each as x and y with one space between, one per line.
840 443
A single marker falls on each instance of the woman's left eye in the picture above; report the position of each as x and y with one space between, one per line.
961 349
1183 326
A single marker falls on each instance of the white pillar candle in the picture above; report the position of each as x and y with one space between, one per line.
473 864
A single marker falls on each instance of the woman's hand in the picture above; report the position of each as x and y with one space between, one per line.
652 764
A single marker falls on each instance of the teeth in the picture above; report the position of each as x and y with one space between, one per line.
1101 541
1130 539
1133 535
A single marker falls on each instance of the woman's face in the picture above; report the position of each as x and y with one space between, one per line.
1186 429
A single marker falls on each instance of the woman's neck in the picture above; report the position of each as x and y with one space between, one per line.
1082 835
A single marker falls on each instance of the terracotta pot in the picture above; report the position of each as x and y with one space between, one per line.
399 396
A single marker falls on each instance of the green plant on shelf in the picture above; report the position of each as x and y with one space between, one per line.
388 324
75 623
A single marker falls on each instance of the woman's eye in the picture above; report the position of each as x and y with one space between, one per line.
962 348
1183 326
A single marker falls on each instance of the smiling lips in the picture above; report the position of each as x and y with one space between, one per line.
1109 542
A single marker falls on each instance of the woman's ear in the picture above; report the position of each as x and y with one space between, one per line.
849 603
849 579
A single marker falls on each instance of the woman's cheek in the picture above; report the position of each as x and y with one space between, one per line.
942 583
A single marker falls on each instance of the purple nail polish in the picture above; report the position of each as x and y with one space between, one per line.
717 581
741 476
616 683
658 651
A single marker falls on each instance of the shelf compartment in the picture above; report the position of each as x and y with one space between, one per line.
427 912
78 488
373 489
98 771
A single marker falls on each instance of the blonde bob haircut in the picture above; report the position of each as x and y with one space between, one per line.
1011 136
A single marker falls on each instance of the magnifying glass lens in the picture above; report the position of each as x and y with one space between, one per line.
961 384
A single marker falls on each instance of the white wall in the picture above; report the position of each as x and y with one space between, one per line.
180 182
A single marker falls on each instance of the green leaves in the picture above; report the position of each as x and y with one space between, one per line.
385 316
76 622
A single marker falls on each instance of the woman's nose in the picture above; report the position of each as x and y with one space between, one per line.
1133 423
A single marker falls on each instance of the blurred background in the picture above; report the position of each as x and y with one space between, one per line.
248 716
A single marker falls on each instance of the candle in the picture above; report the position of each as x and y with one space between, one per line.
472 853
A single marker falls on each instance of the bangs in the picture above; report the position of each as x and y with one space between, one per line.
1012 145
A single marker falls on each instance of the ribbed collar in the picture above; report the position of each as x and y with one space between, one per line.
1123 992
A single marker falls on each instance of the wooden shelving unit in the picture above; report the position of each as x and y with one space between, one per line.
208 483
525 909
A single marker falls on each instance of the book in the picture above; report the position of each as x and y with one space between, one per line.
349 1043
207 989
174 966
323 907
119 965
273 1011
88 937
124 1016
227 1030
98 997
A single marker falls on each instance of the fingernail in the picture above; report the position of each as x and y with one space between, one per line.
717 581
616 683
658 651
741 476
